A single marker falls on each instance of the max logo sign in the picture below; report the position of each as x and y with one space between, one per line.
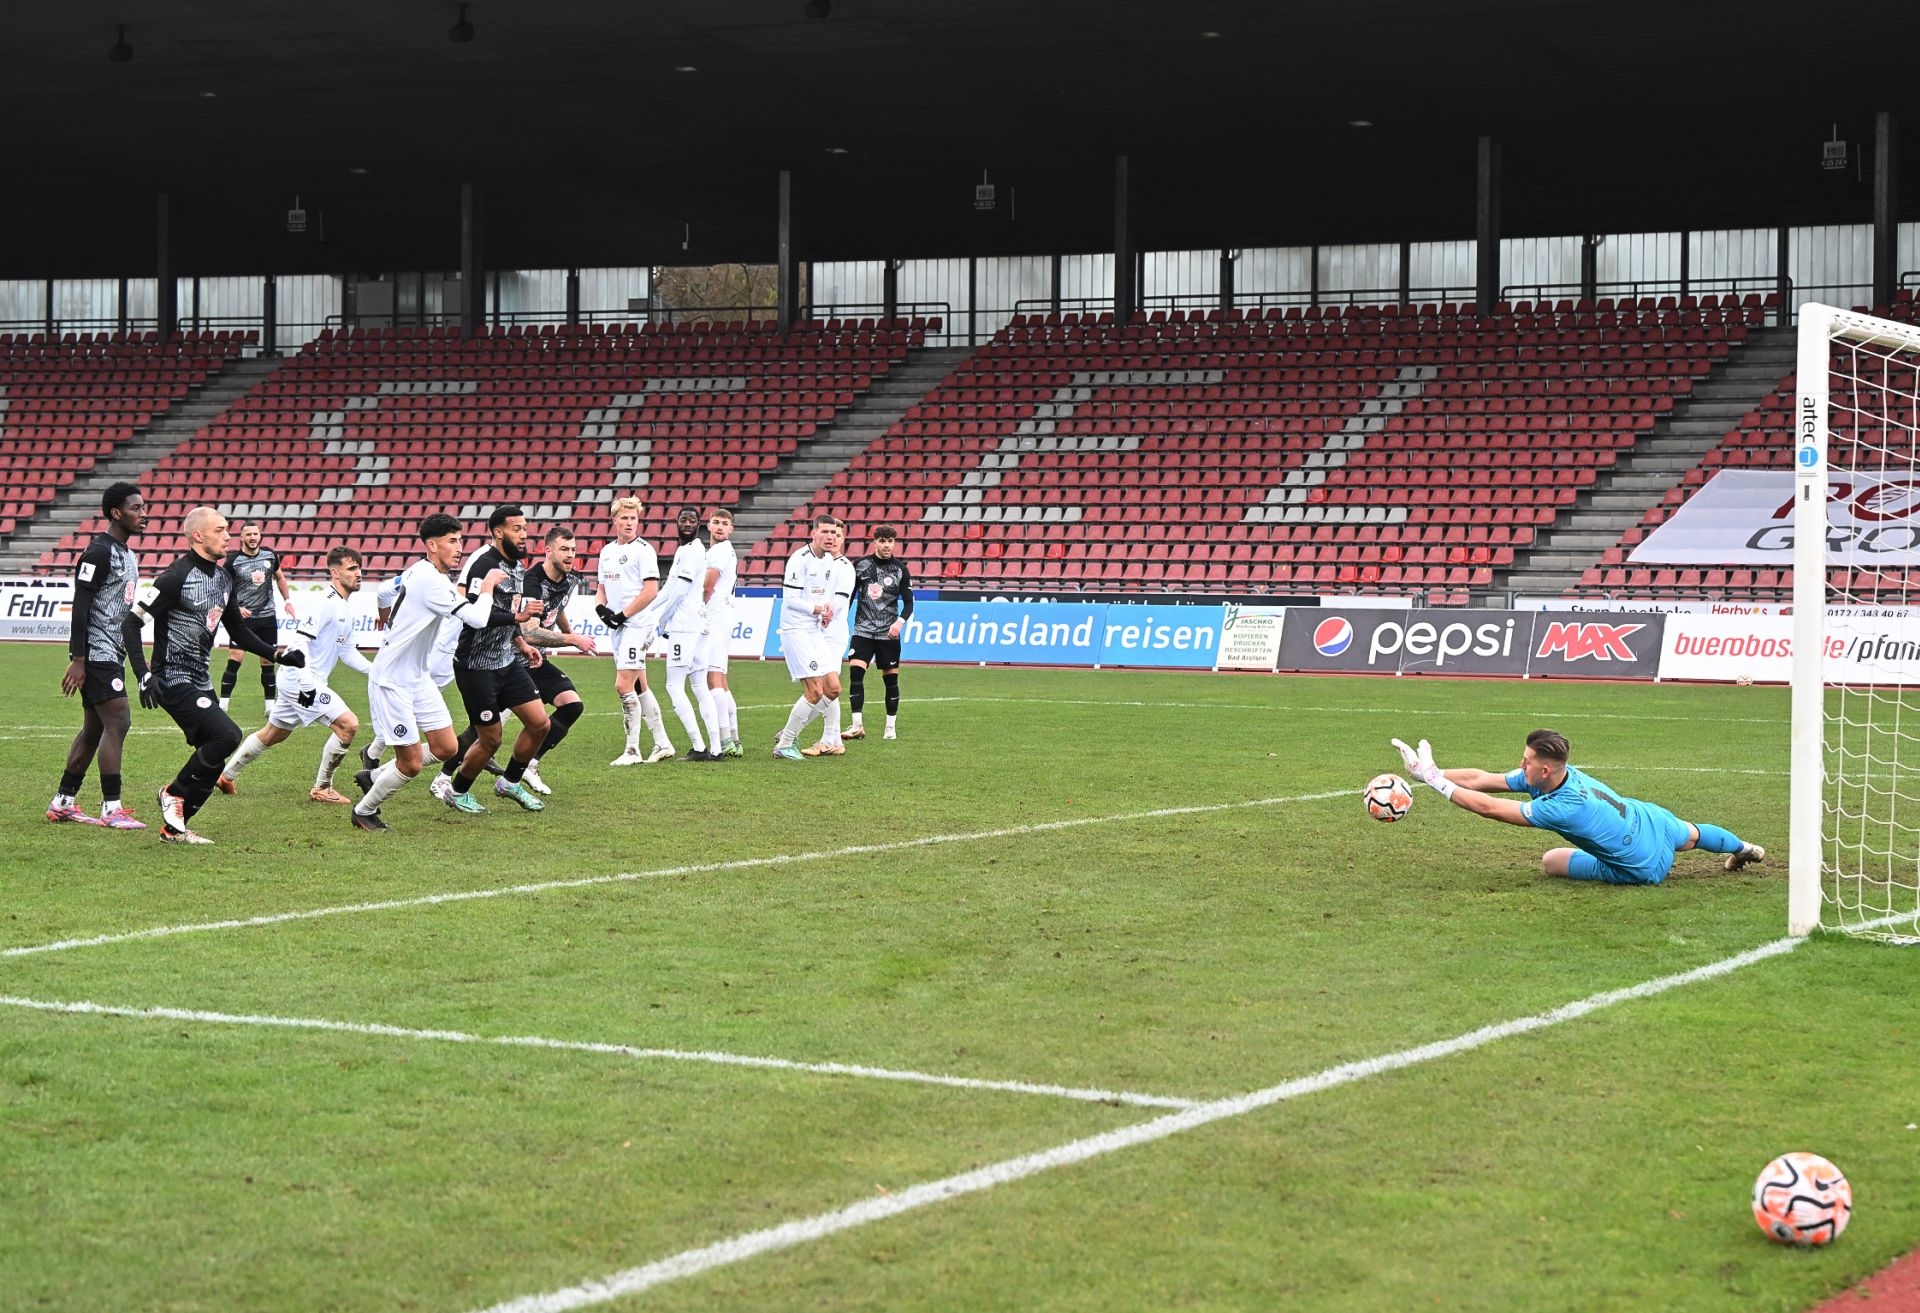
1579 641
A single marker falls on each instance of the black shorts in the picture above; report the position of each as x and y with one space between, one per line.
551 680
881 652
264 627
197 712
105 682
488 694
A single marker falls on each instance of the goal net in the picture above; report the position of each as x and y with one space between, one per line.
1854 857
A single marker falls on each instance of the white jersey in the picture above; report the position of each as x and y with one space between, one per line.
449 628
680 596
722 557
424 600
626 569
841 596
325 633
808 583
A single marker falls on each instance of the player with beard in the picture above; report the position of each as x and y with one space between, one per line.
883 603
550 584
186 604
255 571
807 612
722 569
105 632
492 680
679 614
837 638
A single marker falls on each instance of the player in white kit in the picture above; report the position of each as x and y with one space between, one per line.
325 634
722 569
679 614
439 661
629 580
402 700
807 618
839 633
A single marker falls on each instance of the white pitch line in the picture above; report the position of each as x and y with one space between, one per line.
801 1231
617 1050
698 868
1477 713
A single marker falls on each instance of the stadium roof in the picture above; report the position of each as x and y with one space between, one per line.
594 145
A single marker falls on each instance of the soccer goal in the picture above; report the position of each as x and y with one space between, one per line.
1854 855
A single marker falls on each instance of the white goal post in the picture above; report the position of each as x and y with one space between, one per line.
1854 814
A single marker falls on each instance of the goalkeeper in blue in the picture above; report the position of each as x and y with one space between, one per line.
1615 839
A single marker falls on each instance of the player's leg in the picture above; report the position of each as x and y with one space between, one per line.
213 736
1575 864
267 630
805 708
857 687
236 657
339 742
405 718
625 684
66 798
703 700
829 744
725 713
274 731
1715 839
890 678
524 700
558 692
442 783
656 723
480 696
115 711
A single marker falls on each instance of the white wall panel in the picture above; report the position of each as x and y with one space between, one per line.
1634 259
1373 270
1831 264
1272 271
23 304
1537 268
1441 271
1181 278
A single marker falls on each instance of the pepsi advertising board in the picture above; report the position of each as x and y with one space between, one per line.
1406 642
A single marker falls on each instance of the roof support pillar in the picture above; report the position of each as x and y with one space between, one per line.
1126 293
1886 206
1486 228
473 281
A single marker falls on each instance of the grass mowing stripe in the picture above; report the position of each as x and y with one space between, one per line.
698 868
617 1050
802 1231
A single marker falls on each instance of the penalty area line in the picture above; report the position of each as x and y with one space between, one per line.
804 1230
663 873
585 1046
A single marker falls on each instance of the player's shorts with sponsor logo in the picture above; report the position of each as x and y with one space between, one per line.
406 714
488 693
1658 837
105 682
881 652
686 651
295 709
551 680
195 710
627 652
810 653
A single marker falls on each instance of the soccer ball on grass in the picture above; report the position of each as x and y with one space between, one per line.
1802 1199
1388 797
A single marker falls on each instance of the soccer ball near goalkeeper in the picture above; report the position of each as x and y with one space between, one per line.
1388 798
1802 1199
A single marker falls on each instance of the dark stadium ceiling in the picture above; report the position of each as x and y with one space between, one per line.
592 147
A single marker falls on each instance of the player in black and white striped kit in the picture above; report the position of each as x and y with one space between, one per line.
186 604
255 571
105 632
882 605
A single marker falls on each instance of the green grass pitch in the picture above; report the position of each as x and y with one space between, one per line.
197 1164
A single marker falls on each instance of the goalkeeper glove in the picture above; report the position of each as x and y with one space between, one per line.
1419 764
306 698
149 695
609 617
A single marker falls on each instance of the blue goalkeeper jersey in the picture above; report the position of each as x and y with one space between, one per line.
1634 836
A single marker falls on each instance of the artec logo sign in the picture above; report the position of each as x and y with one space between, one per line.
1579 641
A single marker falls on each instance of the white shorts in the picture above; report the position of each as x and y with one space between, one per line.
440 668
287 713
713 648
810 655
627 652
687 654
406 715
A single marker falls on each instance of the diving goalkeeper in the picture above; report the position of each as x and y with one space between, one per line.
1616 839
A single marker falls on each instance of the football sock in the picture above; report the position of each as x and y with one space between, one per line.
515 769
1713 839
683 708
892 680
464 744
228 678
70 786
560 722
803 711
729 713
650 712
463 782
709 712
832 712
269 681
856 690
386 782
110 790
330 758
630 719
250 748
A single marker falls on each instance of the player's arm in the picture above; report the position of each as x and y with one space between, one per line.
156 602
475 612
707 585
537 635
94 566
906 604
793 594
384 601
1485 781
233 585
1419 764
243 637
349 650
280 582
